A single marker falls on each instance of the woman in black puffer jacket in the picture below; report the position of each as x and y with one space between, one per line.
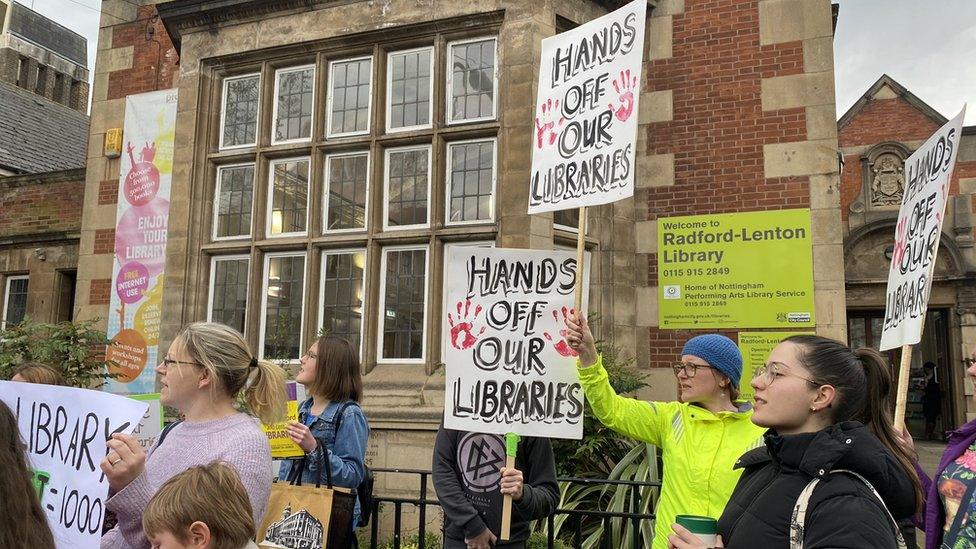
827 411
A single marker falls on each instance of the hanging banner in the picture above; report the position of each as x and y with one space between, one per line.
509 366
737 270
65 430
928 172
141 227
584 142
755 348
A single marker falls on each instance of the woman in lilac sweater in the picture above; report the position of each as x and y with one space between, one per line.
949 516
206 368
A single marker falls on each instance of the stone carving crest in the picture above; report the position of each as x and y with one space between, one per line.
887 180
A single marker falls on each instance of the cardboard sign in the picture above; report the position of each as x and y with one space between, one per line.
584 142
509 367
65 430
281 444
755 348
917 233
151 425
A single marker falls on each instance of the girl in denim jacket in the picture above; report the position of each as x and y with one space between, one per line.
331 375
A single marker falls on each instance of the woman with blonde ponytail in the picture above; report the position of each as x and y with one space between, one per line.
207 367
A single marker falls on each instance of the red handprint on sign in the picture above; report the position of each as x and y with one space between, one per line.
561 346
462 334
546 128
900 243
625 91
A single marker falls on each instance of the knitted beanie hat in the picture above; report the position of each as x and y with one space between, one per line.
719 352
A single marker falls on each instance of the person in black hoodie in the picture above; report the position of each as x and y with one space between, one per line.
470 480
828 413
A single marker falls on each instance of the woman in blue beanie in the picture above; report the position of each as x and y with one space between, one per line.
700 436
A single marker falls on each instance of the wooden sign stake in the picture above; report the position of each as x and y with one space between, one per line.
511 448
580 250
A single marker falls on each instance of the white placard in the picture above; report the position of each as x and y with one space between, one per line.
151 424
585 132
65 430
509 368
928 173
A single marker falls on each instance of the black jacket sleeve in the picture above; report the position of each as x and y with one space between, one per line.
540 493
456 507
848 522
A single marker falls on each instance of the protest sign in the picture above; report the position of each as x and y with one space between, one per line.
151 425
738 270
928 172
755 348
509 367
65 430
281 444
585 135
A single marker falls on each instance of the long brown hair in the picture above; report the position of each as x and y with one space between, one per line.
862 380
337 372
24 523
35 372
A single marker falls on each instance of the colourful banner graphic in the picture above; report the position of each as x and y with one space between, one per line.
738 270
142 218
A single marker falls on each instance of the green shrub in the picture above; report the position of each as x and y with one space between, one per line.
412 541
76 349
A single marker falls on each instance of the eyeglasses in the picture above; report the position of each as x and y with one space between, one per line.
689 368
169 362
771 371
969 361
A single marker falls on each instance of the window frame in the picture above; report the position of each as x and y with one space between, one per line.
381 310
388 95
216 208
449 85
429 147
449 182
325 192
223 113
6 297
264 301
329 98
362 317
213 275
274 105
270 198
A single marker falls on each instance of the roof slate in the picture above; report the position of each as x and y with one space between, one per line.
38 135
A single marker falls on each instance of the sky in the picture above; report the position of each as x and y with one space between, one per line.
922 44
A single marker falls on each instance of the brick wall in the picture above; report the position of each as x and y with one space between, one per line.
105 241
719 127
41 203
99 291
147 55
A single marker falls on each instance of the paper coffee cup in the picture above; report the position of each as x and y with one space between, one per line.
704 528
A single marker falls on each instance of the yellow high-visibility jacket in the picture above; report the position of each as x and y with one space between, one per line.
698 448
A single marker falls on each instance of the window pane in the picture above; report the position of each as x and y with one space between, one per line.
403 305
350 96
346 202
235 186
229 291
241 111
283 316
16 301
407 187
289 196
294 115
471 164
473 80
410 89
342 295
566 218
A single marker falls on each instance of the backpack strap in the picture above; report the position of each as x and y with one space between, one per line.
165 431
338 418
798 518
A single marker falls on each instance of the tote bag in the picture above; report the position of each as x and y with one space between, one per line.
308 517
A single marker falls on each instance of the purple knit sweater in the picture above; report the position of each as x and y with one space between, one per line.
236 440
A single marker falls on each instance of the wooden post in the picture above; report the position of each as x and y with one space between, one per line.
902 395
511 447
580 251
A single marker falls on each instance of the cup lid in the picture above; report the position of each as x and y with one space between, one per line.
697 524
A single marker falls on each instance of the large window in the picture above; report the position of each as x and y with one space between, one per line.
284 297
14 301
337 189
228 291
239 115
342 294
404 304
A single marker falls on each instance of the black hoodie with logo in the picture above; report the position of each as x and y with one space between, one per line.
466 469
842 512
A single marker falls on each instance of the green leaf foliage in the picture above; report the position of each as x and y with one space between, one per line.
76 349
